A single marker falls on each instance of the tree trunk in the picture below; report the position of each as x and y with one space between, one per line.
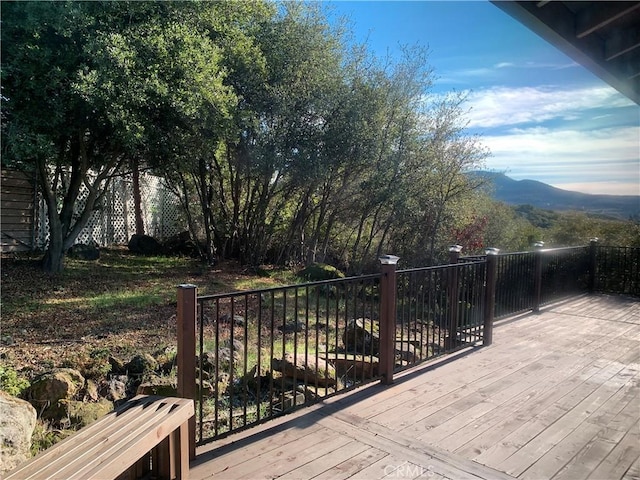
137 197
53 260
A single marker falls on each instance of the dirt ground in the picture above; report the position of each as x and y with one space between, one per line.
121 303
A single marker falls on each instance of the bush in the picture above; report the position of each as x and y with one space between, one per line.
11 382
320 271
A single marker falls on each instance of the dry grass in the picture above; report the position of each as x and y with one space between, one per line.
122 302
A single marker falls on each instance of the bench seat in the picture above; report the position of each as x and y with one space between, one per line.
147 434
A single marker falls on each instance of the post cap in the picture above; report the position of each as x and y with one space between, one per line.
455 248
388 259
492 251
187 285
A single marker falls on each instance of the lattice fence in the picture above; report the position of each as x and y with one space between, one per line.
114 222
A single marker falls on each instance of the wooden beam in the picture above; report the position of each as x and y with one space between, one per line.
600 14
623 42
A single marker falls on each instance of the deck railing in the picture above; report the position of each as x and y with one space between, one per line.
616 270
249 356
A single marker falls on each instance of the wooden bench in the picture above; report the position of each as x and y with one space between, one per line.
146 435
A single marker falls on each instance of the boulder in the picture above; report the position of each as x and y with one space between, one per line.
145 245
59 384
352 365
84 252
141 364
163 386
237 346
182 244
166 358
225 353
81 414
407 352
292 327
115 388
90 392
306 370
118 367
225 319
17 421
168 387
362 335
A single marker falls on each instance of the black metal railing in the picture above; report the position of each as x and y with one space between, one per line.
564 273
617 270
439 309
262 353
515 285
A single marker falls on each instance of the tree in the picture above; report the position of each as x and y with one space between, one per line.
92 86
50 127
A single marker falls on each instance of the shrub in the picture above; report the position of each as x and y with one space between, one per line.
320 271
11 382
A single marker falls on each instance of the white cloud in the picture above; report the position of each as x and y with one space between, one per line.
503 106
607 160
553 145
608 188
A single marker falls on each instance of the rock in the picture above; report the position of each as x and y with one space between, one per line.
290 400
145 245
407 352
164 386
91 393
166 358
362 335
141 364
238 320
115 388
84 252
224 356
292 327
306 370
182 244
117 366
237 346
81 414
59 384
249 381
17 421
168 387
351 365
311 393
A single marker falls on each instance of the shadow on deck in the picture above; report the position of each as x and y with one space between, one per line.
557 396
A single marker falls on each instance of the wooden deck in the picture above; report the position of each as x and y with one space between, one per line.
557 396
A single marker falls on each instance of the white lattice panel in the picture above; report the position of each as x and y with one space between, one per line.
114 221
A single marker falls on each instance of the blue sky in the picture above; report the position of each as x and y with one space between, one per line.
543 116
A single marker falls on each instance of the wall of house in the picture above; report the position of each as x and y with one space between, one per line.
17 215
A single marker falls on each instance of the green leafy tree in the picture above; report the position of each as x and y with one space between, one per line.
91 87
50 128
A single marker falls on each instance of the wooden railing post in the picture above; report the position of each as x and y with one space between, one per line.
537 280
387 332
490 295
186 358
454 256
593 264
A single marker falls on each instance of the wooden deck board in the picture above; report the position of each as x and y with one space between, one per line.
556 396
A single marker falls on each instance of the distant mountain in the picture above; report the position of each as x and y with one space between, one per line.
541 195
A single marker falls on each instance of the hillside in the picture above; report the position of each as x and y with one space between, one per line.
541 195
